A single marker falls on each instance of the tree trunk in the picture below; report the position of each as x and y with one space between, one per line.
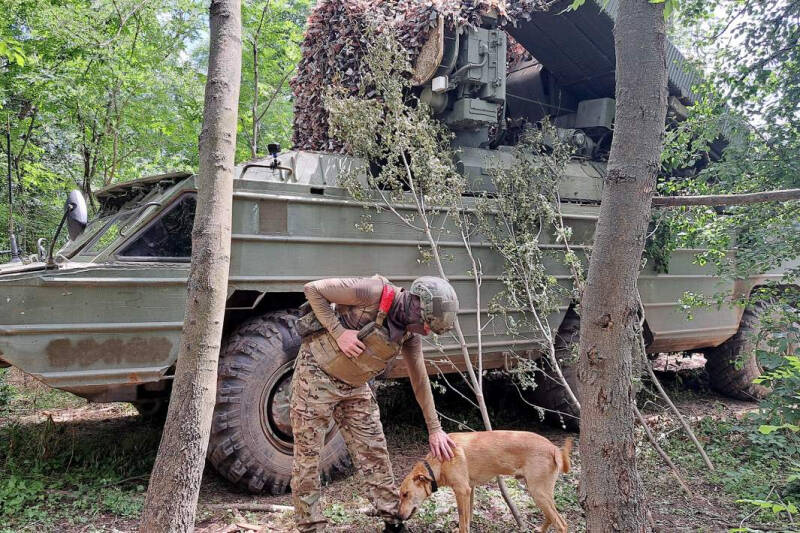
177 473
611 491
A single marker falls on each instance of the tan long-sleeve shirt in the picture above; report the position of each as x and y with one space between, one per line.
357 301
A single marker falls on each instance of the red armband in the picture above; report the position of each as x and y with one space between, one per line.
387 297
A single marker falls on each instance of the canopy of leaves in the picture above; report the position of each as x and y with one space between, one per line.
749 106
111 90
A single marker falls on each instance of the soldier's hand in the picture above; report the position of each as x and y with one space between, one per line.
442 446
348 342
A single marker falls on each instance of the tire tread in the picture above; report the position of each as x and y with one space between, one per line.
252 341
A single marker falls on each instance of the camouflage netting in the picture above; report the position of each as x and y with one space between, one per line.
336 40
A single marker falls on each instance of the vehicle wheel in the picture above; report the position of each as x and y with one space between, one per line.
550 392
732 366
251 435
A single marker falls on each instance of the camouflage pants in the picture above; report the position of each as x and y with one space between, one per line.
316 398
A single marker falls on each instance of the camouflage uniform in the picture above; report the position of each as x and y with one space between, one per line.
318 397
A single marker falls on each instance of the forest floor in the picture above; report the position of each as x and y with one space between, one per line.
68 466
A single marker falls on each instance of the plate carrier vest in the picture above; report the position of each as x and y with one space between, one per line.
379 350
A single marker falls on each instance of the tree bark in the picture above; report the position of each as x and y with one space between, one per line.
611 491
175 481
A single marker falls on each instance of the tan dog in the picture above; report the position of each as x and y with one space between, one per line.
480 457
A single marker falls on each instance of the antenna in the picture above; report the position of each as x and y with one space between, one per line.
11 237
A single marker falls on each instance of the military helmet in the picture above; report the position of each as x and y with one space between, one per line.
438 302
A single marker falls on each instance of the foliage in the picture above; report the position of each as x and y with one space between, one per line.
521 219
747 469
60 471
272 32
95 100
763 235
6 391
411 151
100 92
410 161
742 136
749 106
521 214
778 351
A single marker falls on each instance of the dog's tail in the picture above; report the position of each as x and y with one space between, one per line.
563 461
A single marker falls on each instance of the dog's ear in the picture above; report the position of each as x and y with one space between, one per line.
421 478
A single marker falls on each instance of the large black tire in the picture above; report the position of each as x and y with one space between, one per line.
550 392
732 366
251 436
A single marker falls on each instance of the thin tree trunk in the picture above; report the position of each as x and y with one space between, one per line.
254 139
177 473
256 117
474 384
611 491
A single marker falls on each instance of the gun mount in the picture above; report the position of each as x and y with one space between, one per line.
562 68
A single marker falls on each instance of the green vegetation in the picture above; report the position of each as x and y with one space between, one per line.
100 92
95 93
750 98
63 473
751 468
27 394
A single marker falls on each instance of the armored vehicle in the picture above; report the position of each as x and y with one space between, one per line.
103 319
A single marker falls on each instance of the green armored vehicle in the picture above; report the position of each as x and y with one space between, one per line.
103 319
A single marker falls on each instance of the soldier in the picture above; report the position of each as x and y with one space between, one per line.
331 374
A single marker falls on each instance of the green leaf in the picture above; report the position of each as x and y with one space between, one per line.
767 429
575 5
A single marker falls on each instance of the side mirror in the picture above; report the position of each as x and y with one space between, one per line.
77 215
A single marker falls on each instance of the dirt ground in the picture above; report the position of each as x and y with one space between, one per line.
345 503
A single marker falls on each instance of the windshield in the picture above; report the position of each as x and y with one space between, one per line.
101 232
111 230
168 236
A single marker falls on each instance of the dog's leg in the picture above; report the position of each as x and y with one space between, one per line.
544 500
471 505
463 499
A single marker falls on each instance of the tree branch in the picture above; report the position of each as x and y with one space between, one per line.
727 199
276 92
660 450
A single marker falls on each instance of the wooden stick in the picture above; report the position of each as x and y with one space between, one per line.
678 414
662 392
260 507
727 199
660 450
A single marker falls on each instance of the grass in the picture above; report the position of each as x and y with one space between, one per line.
57 474
87 475
745 468
20 393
